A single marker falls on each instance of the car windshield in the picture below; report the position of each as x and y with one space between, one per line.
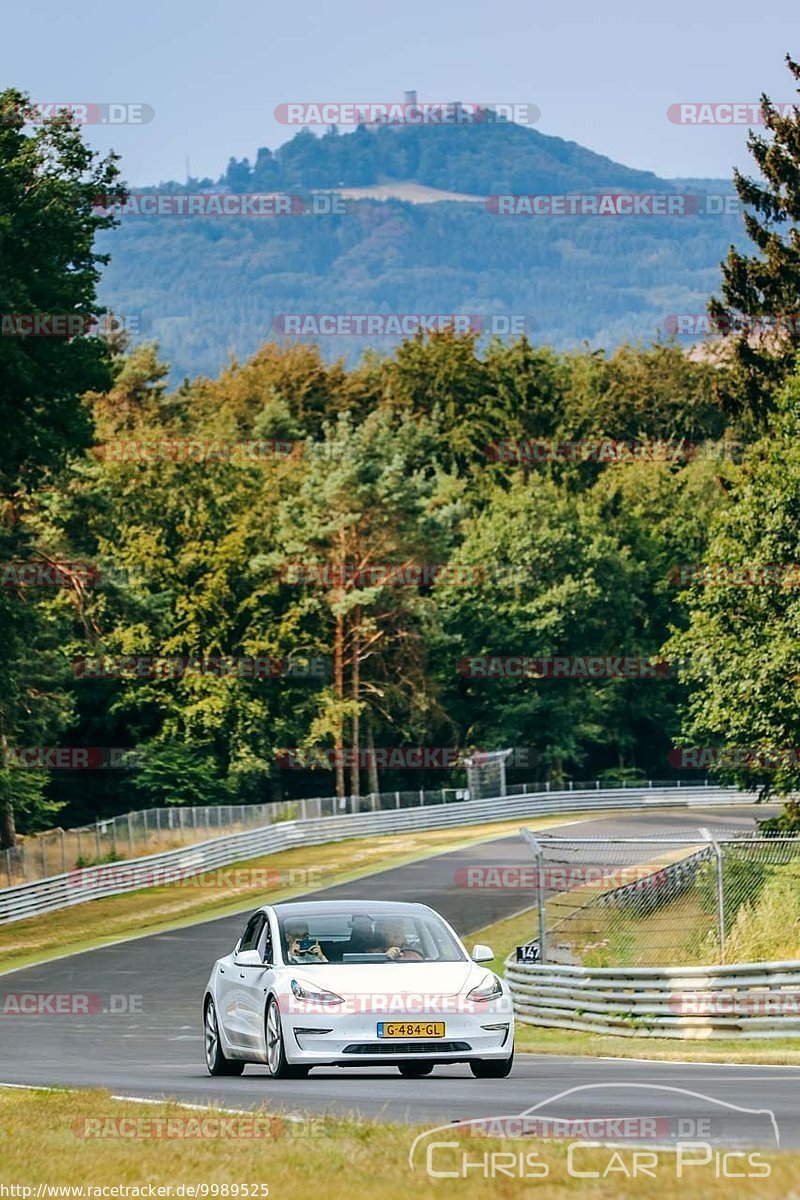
362 937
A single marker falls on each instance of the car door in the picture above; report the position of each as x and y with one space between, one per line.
252 974
233 982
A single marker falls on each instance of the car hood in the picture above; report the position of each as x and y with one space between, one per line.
388 979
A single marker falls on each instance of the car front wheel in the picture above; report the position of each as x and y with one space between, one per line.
413 1070
216 1061
277 1064
492 1068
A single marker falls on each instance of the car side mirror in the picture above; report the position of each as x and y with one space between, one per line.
482 953
249 958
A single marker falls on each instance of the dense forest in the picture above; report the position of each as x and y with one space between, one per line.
368 531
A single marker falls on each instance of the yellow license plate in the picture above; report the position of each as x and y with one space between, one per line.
410 1029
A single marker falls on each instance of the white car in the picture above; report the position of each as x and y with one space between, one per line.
355 983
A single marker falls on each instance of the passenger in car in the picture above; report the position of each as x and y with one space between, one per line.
300 947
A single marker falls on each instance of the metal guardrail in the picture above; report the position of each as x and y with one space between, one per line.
154 830
79 886
741 1000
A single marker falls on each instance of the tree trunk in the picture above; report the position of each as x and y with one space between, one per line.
355 689
338 682
8 832
372 767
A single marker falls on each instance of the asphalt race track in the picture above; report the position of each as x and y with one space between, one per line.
157 1051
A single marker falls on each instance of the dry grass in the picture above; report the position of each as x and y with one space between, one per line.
156 909
41 1142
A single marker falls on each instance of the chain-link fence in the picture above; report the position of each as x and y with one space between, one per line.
150 831
655 901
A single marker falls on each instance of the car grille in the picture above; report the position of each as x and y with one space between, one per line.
414 1046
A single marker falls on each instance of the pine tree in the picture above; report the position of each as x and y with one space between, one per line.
760 304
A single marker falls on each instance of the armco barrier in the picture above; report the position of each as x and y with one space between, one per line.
93 883
742 1000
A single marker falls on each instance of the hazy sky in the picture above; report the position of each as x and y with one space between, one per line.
602 75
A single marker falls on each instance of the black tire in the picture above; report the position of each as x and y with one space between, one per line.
277 1064
414 1070
492 1068
216 1062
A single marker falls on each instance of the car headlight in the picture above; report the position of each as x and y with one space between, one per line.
489 988
311 997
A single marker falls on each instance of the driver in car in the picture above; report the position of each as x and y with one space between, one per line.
396 944
300 947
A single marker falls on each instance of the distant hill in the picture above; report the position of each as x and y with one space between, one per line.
476 159
210 287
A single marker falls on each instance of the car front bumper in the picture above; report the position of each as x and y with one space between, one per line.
344 1040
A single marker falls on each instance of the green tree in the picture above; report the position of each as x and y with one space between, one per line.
49 187
742 644
547 580
364 504
760 303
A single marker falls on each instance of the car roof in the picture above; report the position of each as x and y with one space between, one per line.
294 908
